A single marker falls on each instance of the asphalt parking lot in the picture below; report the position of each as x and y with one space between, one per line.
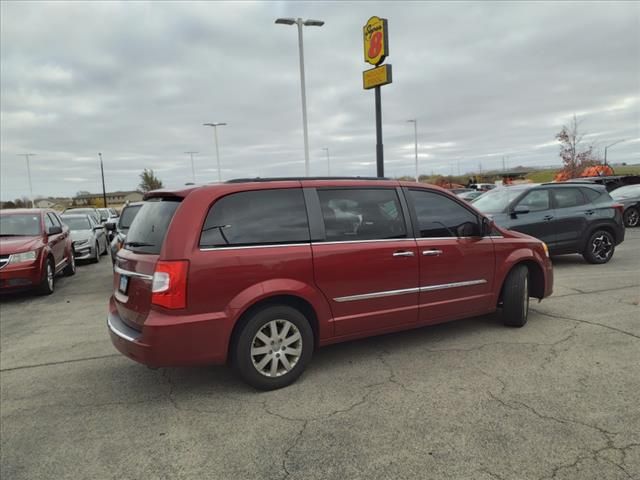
472 399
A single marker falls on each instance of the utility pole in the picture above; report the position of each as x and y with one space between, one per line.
610 145
104 191
27 156
215 134
303 93
193 170
415 146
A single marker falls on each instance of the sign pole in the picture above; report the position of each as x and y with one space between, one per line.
379 146
376 49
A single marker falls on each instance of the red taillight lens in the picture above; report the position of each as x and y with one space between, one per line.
619 207
169 289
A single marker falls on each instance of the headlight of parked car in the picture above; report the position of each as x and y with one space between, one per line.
23 257
81 242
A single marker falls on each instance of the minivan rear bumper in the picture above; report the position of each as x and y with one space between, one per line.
169 341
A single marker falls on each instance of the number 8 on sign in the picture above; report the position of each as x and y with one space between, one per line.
376 43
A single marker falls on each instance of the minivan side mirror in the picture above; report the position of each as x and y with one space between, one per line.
98 227
54 230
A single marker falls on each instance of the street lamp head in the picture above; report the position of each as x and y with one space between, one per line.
217 124
286 21
313 23
411 121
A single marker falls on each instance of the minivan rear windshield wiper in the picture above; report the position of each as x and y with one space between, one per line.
138 244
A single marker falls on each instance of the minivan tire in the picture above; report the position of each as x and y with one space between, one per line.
600 247
515 297
47 283
256 336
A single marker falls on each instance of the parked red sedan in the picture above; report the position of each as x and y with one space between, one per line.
34 246
260 273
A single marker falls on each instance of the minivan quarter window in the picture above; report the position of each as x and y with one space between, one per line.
259 217
361 214
440 216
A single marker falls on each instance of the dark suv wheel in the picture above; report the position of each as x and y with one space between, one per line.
273 347
632 217
600 247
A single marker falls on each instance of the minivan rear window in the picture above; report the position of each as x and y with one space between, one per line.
150 226
260 217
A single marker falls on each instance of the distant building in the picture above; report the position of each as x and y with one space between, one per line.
113 198
57 203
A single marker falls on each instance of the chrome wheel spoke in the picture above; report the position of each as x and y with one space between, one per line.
285 362
263 338
262 363
274 366
292 339
273 354
260 350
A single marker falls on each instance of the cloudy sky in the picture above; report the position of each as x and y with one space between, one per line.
136 80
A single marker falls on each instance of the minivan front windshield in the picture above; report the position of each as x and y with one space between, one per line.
496 200
150 226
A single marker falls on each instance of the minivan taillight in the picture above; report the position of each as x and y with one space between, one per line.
169 289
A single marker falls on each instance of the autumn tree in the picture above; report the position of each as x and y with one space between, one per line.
148 181
575 154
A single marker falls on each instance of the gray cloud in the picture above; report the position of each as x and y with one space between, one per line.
136 81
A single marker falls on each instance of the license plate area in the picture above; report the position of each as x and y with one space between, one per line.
123 285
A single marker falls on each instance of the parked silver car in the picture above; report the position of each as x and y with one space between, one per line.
88 237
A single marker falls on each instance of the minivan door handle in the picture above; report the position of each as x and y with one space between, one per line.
548 217
589 212
403 253
431 253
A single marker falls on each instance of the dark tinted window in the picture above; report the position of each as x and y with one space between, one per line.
150 226
440 216
128 214
259 217
591 194
535 201
568 197
361 214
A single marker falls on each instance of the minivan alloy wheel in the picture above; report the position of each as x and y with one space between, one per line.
276 348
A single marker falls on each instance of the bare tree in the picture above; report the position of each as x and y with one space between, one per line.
576 156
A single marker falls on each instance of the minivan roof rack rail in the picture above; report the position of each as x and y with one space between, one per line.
282 179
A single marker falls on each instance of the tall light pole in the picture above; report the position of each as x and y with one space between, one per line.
326 149
104 191
415 133
610 145
215 134
300 23
28 156
193 170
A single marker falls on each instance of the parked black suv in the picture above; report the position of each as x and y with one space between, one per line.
568 217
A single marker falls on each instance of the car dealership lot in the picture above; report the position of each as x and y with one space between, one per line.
469 399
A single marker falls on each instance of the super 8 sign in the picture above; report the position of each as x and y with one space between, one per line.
376 41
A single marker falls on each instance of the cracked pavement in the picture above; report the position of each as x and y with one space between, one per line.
557 399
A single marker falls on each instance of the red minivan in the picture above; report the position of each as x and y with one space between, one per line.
261 272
